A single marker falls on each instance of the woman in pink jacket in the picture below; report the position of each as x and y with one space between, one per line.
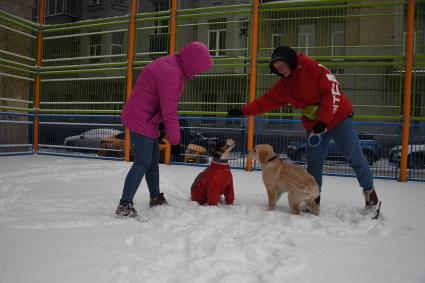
154 100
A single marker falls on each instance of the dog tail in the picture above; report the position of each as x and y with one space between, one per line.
312 190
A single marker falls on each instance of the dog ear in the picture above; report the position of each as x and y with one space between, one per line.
262 156
217 150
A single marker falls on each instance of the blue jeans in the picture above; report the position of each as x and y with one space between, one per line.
146 159
347 142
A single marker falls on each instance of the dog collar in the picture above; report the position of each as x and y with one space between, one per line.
271 159
221 161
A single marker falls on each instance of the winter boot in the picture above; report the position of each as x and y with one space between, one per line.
126 209
159 200
373 205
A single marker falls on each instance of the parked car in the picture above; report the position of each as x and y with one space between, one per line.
91 140
371 148
415 155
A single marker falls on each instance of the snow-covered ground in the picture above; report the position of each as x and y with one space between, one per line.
57 225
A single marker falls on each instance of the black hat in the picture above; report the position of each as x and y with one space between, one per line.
286 54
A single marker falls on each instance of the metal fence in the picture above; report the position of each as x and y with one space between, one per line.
16 133
84 77
80 135
17 72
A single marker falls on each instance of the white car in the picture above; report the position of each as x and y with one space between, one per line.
415 156
90 139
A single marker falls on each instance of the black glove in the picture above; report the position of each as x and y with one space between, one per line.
235 113
320 127
176 149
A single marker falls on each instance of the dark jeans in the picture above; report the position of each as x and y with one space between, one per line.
347 142
146 159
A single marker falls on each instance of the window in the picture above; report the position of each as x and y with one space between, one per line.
95 47
244 38
71 7
306 39
96 2
117 45
161 25
159 40
120 2
54 7
338 39
277 40
217 37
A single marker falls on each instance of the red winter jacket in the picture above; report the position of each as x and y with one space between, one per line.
309 84
213 182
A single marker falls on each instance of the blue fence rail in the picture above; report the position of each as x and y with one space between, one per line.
102 136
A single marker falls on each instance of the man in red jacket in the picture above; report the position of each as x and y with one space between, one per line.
327 113
217 179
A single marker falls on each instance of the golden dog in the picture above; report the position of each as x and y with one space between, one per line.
280 177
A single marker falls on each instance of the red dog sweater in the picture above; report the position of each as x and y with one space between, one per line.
210 184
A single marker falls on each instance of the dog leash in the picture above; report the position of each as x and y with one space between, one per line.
314 139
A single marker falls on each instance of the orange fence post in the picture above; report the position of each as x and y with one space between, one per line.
172 49
130 59
252 79
37 75
173 26
167 159
407 89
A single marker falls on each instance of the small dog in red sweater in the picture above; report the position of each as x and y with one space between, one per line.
216 179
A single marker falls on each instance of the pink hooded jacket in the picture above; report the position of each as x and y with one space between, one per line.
155 96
